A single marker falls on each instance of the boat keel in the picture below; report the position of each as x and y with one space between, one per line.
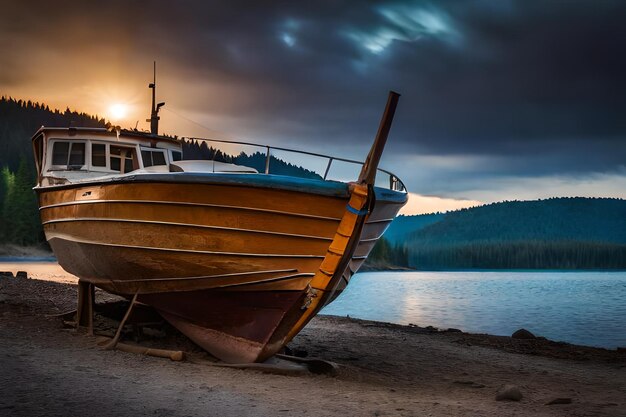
234 326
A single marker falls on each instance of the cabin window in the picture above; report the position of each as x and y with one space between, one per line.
77 154
158 158
69 154
60 153
122 159
177 156
151 158
99 155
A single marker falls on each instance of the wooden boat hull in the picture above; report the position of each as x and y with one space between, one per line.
231 260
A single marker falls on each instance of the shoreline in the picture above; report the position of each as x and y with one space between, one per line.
538 345
51 271
44 256
384 369
403 269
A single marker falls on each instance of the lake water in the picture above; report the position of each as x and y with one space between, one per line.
587 308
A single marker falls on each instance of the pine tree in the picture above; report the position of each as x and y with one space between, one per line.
20 208
7 180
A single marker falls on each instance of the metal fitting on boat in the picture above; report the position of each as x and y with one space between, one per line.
311 293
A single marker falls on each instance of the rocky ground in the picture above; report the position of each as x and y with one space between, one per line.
48 368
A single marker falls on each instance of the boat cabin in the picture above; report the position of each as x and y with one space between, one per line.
68 155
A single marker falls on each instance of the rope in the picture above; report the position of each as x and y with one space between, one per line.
215 132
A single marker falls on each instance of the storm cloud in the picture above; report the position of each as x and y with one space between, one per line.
493 93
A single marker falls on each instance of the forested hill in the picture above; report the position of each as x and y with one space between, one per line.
581 219
564 233
403 226
20 119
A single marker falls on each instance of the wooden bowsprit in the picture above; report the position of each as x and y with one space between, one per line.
346 239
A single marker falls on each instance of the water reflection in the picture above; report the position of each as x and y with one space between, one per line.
578 307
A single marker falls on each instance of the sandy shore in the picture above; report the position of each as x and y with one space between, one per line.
45 271
384 369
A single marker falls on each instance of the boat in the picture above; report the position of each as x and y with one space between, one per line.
238 258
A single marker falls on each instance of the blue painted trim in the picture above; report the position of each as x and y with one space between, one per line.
278 182
384 194
355 211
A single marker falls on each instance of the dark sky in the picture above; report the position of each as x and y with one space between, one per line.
500 99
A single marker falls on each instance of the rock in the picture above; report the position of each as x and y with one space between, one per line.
559 401
523 334
453 330
462 382
470 384
4 298
6 274
21 274
509 393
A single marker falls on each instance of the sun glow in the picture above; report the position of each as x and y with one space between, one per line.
118 111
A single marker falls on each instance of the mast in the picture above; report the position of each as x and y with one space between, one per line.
154 116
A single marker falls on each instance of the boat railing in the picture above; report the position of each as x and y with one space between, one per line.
394 183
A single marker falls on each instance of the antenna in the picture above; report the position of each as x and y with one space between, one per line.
154 115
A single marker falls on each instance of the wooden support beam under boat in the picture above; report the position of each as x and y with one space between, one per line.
114 341
174 355
84 310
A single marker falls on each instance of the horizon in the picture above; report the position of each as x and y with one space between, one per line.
509 201
519 100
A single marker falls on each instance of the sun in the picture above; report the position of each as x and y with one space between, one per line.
118 111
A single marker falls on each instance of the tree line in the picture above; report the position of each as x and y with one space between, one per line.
19 120
19 215
386 255
520 255
195 150
555 233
